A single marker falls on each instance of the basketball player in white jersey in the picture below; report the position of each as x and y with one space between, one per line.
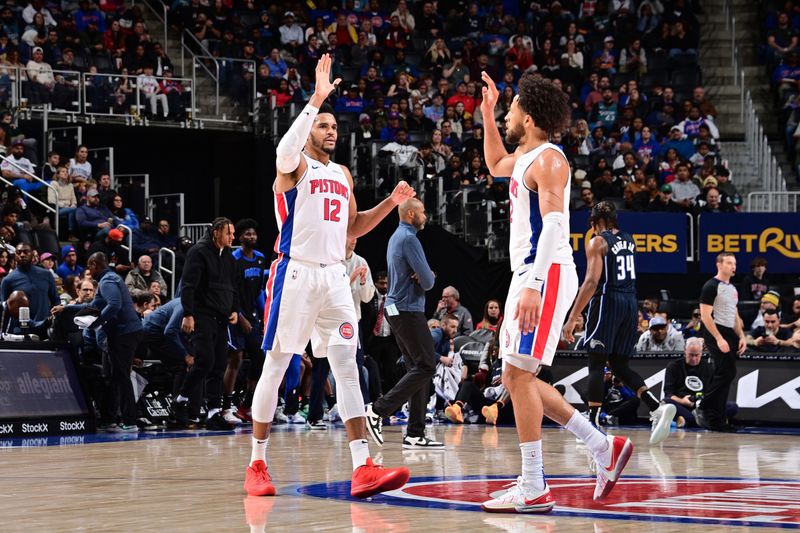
308 292
542 289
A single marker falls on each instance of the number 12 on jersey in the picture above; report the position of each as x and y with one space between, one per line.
332 208
625 268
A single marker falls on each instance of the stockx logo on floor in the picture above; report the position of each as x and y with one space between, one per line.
734 502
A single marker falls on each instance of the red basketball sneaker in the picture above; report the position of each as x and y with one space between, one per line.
257 481
621 450
370 479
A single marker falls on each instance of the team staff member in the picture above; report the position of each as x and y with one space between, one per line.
252 270
123 329
409 278
209 301
724 336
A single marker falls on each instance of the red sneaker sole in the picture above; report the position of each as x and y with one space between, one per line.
392 481
260 491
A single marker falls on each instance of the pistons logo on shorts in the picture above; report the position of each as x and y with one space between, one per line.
507 339
346 330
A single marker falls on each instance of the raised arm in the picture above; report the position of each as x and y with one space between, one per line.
289 162
499 162
595 252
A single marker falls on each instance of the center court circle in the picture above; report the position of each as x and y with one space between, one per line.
700 500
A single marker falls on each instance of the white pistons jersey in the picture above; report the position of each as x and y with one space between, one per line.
313 216
526 219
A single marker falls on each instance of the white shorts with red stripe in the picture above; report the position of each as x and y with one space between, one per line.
529 351
308 301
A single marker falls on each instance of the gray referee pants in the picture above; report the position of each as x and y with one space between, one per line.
416 344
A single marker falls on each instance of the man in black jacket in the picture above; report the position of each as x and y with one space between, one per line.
209 301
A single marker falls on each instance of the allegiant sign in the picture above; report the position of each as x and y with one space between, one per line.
660 239
773 236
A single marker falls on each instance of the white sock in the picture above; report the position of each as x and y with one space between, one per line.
532 464
181 399
594 439
259 450
212 412
359 451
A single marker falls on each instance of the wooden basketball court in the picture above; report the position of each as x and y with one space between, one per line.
192 481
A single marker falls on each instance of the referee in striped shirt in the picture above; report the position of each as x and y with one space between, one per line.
724 335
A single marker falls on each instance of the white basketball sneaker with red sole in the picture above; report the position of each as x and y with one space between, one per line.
607 477
520 499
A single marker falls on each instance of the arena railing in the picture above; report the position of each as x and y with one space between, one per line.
129 237
773 202
174 205
194 231
48 208
103 99
162 253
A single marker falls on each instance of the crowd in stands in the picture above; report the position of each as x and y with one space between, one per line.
47 45
779 53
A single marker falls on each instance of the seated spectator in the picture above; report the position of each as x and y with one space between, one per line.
637 186
684 190
450 304
725 186
770 337
713 203
9 312
64 197
69 263
792 320
587 197
418 121
351 102
646 146
146 239
660 338
150 89
40 76
769 302
276 64
86 291
782 40
165 238
684 147
686 379
605 112
122 215
633 59
94 218
105 191
37 284
607 186
110 244
663 202
450 137
755 284
691 125
450 369
48 262
17 166
682 42
141 277
80 169
492 316
389 132
695 326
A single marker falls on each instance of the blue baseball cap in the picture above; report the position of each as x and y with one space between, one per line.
66 250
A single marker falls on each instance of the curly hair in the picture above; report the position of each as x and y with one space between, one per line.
606 212
244 225
545 103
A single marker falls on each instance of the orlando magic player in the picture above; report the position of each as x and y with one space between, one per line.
308 292
611 330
